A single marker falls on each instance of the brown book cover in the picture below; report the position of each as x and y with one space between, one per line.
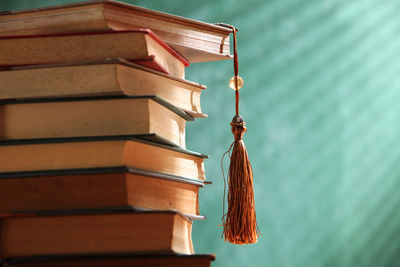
116 260
103 188
101 232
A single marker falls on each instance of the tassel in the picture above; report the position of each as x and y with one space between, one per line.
240 225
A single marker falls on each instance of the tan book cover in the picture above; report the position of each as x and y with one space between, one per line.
99 152
99 78
140 45
101 116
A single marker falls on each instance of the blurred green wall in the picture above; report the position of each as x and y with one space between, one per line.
321 100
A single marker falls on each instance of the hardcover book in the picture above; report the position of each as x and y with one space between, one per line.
116 188
101 116
196 41
140 45
99 152
99 78
103 232
116 260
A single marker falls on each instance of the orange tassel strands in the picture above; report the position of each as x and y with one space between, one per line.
240 225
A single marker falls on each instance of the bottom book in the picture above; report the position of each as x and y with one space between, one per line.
165 232
115 261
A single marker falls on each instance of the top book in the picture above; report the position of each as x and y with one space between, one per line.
196 41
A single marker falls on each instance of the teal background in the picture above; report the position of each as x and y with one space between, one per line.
321 101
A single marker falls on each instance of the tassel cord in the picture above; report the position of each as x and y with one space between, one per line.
236 71
225 181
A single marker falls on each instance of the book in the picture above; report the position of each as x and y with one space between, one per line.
98 152
105 77
102 232
99 189
196 41
138 260
101 116
140 45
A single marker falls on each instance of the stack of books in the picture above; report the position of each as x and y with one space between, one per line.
94 169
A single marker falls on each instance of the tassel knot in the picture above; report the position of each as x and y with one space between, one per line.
238 127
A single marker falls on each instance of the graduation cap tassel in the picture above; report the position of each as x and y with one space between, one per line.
240 225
